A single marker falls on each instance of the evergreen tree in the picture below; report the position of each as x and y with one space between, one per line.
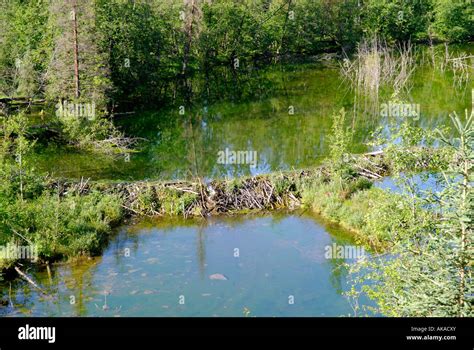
430 272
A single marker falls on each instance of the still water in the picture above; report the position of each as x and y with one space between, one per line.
268 265
163 267
283 113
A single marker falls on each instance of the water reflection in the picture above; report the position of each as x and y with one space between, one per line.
279 255
282 113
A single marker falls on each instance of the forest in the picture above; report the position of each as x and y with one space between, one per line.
140 54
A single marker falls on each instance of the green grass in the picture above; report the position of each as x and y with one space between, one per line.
374 215
61 227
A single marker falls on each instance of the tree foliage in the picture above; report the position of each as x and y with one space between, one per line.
143 52
430 271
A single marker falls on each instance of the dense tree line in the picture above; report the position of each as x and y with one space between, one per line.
124 52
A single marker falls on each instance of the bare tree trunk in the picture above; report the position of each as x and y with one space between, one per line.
464 243
76 51
189 35
192 16
283 32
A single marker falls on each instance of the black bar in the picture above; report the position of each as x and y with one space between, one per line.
352 332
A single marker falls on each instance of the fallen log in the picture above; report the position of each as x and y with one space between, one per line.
21 100
29 280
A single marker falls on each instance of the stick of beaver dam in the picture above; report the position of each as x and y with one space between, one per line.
29 280
10 296
49 273
375 153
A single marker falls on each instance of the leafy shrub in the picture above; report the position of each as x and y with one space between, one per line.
65 226
454 20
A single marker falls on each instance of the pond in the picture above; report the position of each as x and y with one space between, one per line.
174 267
282 113
259 265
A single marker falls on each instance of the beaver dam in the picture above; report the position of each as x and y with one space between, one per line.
199 198
133 233
218 261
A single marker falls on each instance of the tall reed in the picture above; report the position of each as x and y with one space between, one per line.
375 65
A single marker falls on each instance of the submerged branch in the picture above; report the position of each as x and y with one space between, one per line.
29 280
